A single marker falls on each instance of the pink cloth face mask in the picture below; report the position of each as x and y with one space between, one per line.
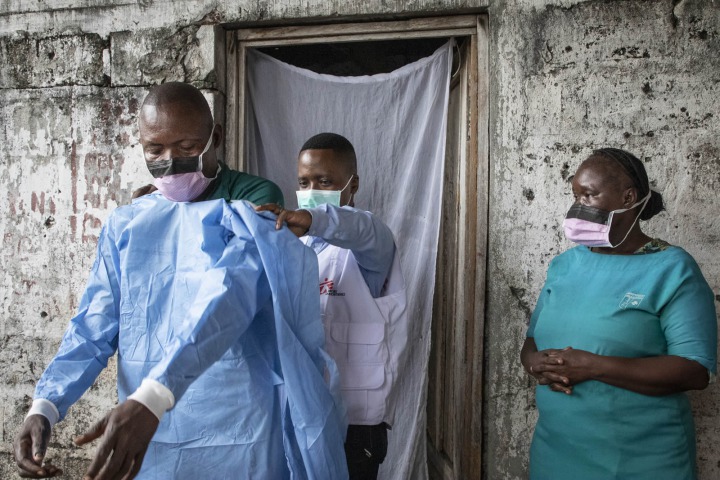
590 226
181 179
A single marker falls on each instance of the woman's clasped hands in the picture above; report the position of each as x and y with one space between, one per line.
561 369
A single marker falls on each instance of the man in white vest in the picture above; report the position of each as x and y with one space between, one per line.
362 293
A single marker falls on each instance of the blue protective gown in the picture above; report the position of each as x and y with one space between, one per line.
212 302
629 306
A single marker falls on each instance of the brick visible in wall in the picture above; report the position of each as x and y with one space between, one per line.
151 57
31 61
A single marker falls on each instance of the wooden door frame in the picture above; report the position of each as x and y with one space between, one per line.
462 294
470 238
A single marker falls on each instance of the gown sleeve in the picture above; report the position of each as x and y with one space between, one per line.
92 335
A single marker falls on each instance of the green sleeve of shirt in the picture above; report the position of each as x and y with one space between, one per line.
234 185
256 190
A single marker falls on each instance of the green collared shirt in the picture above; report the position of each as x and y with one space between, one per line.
234 185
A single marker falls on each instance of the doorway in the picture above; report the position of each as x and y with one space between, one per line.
451 444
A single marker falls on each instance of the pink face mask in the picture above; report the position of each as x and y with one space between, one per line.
181 179
590 226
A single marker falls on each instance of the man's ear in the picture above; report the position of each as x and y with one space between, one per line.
217 136
354 184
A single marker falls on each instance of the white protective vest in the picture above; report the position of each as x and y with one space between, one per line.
366 336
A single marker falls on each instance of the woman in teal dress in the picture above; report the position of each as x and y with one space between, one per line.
624 325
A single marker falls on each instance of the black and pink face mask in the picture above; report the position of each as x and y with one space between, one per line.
181 179
590 226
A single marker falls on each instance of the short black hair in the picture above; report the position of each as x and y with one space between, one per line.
336 143
635 169
181 93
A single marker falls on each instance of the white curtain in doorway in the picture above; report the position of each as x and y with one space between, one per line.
397 123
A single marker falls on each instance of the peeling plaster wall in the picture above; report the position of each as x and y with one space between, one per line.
64 169
566 77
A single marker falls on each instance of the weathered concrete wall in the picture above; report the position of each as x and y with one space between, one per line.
64 169
567 76
106 16
639 75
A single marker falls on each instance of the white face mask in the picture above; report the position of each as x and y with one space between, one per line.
312 198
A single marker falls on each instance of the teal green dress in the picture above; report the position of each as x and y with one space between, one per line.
634 306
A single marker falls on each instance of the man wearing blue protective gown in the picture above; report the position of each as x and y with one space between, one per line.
230 325
213 314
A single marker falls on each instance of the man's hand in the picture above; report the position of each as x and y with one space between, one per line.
143 191
30 446
126 432
298 221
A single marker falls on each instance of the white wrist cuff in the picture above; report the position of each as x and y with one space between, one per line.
46 408
155 396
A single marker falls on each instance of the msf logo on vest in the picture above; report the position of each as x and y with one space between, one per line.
328 288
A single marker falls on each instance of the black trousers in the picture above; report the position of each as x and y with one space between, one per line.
365 449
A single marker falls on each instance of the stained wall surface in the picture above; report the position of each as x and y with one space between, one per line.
566 77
